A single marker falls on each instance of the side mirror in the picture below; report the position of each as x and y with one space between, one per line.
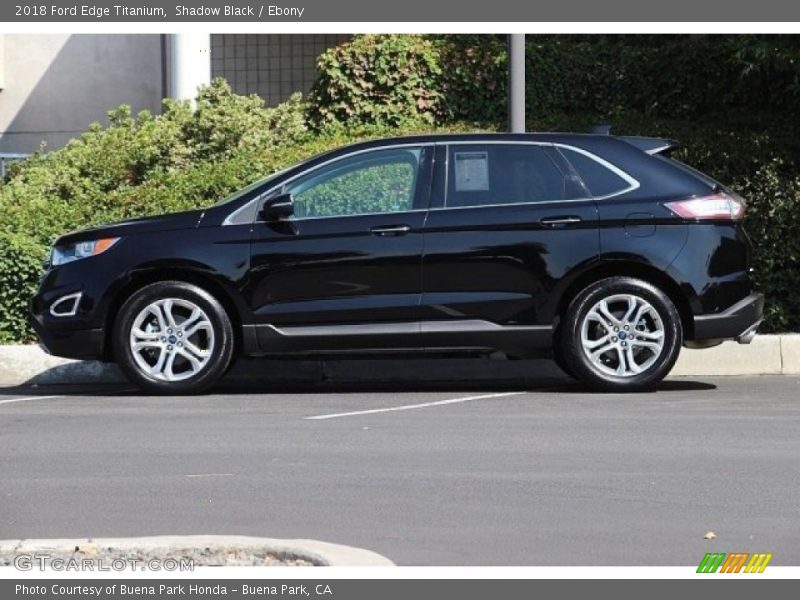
277 208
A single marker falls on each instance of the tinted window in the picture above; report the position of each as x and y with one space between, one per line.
373 182
599 179
485 174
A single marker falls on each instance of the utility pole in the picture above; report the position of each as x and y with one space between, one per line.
189 64
516 83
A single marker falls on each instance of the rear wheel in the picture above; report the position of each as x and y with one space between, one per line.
173 337
621 334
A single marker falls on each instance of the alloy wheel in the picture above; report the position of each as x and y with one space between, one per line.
622 335
171 339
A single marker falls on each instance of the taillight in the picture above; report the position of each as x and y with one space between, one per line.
714 207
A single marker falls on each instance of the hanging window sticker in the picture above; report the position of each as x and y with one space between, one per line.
472 171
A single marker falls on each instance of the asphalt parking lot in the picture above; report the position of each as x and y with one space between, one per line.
539 473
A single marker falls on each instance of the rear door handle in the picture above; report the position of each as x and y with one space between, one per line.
558 221
390 230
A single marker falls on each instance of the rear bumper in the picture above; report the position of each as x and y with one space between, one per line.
739 322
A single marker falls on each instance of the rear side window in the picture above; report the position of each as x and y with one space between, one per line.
599 179
487 174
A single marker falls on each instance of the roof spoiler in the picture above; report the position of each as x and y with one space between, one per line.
651 145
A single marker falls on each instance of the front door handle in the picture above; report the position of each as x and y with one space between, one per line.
560 221
390 230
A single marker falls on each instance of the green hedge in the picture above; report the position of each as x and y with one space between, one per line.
672 76
147 164
390 79
397 80
20 268
144 164
730 100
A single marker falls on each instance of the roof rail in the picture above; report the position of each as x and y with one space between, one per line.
601 129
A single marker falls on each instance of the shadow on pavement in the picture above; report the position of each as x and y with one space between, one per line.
251 376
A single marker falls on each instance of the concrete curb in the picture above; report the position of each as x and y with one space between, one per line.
319 553
766 355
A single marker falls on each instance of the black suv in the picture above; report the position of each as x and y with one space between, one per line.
597 249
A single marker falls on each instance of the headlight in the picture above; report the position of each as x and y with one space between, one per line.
64 254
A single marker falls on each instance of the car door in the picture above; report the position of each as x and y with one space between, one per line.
507 222
346 266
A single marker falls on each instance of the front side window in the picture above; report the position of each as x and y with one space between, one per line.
379 181
491 174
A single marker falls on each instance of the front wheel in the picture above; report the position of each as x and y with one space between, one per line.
173 337
621 334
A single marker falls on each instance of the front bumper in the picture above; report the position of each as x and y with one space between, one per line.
70 336
739 322
76 343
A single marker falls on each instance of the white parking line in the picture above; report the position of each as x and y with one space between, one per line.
412 406
86 394
196 475
28 399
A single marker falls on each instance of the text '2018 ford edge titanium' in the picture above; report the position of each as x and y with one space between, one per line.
598 248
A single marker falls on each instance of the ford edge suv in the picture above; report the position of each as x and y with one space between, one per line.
599 250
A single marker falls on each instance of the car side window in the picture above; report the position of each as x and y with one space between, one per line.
598 179
487 174
380 181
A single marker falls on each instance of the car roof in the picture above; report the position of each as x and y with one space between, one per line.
545 137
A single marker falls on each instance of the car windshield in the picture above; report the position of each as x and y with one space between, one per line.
239 193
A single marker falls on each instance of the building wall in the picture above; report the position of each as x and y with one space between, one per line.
272 66
55 85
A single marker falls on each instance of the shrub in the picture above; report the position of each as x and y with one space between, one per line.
20 268
143 164
729 100
378 79
411 80
687 76
474 78
147 164
773 223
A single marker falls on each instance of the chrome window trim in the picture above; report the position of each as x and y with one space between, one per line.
229 219
372 214
633 184
438 208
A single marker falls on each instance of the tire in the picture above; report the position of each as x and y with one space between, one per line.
173 337
558 355
602 353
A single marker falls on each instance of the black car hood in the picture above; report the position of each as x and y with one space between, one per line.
169 222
